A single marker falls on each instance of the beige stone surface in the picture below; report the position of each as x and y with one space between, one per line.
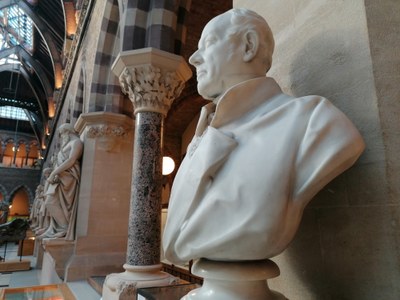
102 221
348 51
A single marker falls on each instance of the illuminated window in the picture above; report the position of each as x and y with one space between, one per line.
11 112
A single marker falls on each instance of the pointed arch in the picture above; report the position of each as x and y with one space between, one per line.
105 91
30 194
157 24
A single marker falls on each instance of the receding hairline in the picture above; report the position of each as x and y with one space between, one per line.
246 19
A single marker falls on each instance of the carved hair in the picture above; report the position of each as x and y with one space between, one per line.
243 20
66 128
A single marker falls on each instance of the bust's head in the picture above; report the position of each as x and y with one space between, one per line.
234 46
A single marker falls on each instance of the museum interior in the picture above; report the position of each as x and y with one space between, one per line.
104 88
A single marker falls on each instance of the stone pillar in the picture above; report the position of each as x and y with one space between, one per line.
153 79
102 219
15 150
27 150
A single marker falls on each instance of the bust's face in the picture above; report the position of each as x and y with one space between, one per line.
217 59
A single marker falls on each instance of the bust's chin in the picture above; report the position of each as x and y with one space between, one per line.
206 91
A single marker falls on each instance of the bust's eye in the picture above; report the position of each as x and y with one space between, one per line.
208 42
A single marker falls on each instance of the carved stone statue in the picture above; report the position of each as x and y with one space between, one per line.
258 156
63 183
34 214
40 218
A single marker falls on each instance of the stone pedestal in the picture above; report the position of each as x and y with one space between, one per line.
153 79
38 253
235 280
102 220
56 253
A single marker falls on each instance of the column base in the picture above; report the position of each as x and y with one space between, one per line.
235 280
123 286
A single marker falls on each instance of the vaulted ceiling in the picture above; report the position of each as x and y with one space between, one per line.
32 37
33 34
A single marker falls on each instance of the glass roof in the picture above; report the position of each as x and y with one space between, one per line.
10 112
16 28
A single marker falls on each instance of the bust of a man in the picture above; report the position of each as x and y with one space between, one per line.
258 156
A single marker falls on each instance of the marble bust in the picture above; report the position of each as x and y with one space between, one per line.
258 156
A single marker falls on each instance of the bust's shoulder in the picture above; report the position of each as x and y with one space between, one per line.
312 102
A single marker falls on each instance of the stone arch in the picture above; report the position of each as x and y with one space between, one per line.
157 24
77 105
105 92
30 193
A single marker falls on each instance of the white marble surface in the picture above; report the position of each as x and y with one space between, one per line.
257 158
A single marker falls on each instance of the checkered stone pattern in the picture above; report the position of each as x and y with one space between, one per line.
158 24
78 103
105 91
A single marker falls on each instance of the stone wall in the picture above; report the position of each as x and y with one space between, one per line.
347 245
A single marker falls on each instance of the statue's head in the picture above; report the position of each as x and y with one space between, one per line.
66 130
234 47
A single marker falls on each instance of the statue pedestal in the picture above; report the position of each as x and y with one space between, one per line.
56 253
235 280
103 208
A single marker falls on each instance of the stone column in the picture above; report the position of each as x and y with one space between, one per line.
15 150
153 79
27 150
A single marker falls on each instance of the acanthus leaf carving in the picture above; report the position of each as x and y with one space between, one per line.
150 89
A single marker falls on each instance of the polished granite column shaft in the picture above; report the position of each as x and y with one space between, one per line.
152 79
145 218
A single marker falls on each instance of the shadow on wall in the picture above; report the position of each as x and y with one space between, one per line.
325 260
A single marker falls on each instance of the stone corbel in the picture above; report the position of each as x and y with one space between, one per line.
108 136
109 129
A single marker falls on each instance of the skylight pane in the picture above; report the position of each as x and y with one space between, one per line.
11 112
18 26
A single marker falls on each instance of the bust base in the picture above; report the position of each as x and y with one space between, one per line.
239 280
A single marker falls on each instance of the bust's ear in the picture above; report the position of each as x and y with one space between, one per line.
252 42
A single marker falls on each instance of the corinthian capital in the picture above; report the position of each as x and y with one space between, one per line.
151 89
152 78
